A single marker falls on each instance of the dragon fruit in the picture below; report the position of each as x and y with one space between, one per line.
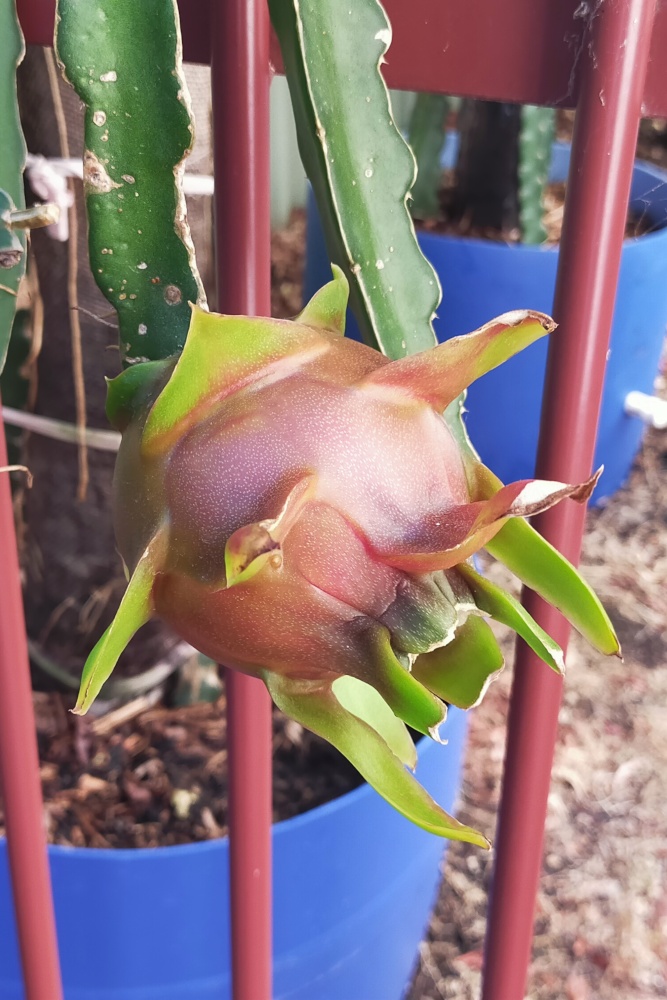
296 507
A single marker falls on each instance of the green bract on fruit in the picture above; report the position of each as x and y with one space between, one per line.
295 506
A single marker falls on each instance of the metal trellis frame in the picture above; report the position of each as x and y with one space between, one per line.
593 56
240 84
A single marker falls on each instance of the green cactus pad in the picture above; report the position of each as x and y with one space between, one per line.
536 137
125 62
11 247
427 139
359 165
12 161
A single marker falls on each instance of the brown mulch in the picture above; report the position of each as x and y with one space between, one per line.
160 777
287 262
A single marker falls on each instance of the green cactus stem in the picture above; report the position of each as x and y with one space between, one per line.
14 383
484 195
125 63
359 165
535 140
12 162
426 137
12 248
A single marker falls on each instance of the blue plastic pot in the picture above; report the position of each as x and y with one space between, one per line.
481 279
353 886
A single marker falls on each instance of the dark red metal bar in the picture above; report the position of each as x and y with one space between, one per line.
451 47
19 774
240 81
603 150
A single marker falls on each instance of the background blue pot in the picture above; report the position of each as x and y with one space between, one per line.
481 279
353 886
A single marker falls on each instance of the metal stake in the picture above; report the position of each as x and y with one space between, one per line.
241 78
615 58
19 774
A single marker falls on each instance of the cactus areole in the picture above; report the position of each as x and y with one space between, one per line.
297 507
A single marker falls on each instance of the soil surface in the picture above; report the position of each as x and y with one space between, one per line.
637 224
158 776
652 146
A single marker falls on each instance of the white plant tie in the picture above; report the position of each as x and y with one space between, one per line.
60 430
50 185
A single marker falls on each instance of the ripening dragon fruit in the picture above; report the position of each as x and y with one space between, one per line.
296 506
